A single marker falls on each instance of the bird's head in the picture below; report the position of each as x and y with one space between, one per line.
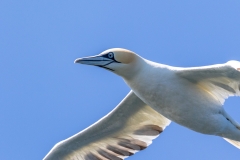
120 61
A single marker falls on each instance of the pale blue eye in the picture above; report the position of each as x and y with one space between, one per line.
110 55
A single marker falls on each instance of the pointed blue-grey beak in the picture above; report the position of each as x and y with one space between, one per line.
94 60
99 60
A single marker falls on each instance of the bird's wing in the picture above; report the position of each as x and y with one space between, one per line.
128 128
220 80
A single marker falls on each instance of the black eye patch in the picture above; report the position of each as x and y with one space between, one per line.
110 55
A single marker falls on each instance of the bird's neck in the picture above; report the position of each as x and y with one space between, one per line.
148 76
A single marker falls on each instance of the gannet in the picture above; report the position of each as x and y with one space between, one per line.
192 97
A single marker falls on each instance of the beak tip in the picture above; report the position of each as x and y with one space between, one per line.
77 60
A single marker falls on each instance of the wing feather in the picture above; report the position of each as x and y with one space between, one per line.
220 80
129 128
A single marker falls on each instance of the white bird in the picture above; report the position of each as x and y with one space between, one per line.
192 97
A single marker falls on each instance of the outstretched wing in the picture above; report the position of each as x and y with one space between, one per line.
220 80
128 128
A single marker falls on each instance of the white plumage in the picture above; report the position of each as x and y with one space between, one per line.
192 97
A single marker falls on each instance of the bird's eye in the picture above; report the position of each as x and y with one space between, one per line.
110 55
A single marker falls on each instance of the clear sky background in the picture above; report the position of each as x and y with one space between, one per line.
45 97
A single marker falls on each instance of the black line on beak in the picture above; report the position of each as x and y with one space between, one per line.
94 60
105 67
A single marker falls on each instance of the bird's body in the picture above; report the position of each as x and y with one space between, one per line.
180 100
191 97
170 95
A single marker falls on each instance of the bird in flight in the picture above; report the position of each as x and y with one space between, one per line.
192 97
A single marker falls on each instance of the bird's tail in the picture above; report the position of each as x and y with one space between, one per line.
235 143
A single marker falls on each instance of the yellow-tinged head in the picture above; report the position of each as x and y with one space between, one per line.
118 60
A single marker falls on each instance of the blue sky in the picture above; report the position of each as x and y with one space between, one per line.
46 98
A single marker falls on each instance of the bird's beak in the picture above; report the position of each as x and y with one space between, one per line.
98 60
